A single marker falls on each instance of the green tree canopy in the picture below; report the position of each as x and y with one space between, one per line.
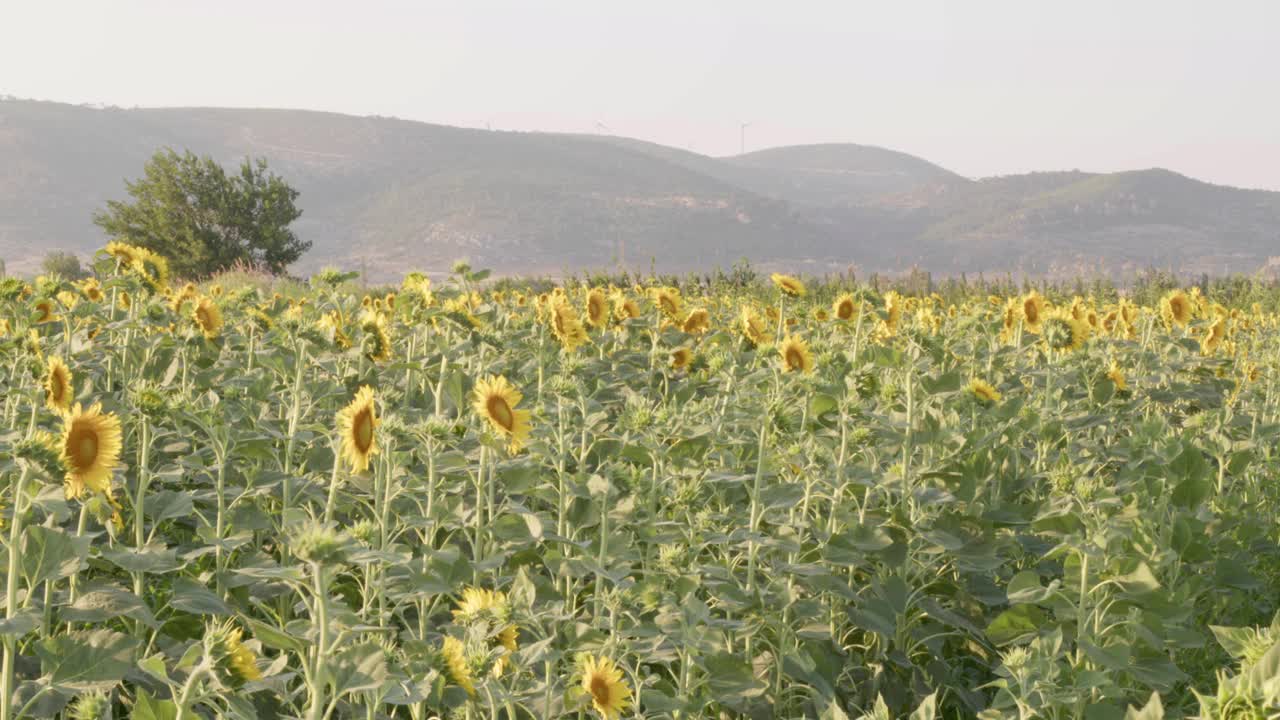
202 219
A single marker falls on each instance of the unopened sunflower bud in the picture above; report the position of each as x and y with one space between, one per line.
319 544
91 706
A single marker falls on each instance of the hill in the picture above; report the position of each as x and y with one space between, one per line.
388 194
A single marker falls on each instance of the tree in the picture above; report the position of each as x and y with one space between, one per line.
63 264
203 220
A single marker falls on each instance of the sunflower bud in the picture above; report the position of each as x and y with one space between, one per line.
41 450
319 544
233 662
91 706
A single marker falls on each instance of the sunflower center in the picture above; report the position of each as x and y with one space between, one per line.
794 358
1032 313
82 447
362 430
500 411
57 387
600 690
846 310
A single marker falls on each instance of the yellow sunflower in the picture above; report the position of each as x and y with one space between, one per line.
1176 309
45 311
476 602
795 355
680 358
377 339
668 301
57 386
495 401
208 317
455 660
1213 339
91 289
602 680
787 284
821 314
124 253
1033 309
597 308
752 326
845 307
1116 376
1063 332
357 424
984 391
566 326
624 308
893 303
697 321
90 449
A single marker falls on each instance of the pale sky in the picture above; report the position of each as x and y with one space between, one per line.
981 87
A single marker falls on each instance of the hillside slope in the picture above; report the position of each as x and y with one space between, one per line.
387 195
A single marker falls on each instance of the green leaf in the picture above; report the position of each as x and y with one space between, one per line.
1025 588
191 597
731 681
102 603
1017 623
146 707
358 668
87 660
51 553
153 558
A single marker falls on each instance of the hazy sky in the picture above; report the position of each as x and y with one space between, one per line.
981 87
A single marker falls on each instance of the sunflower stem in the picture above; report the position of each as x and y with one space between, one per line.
11 593
139 502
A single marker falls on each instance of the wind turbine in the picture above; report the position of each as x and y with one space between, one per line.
742 137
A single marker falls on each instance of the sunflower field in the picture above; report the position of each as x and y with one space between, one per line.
448 500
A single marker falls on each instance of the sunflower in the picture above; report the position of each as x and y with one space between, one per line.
1116 376
124 300
57 386
984 391
91 289
233 658
357 424
90 449
1064 333
697 321
821 314
478 602
331 322
668 301
795 355
1176 309
45 311
624 308
680 358
845 307
1212 339
788 285
1033 308
377 339
455 660
208 317
893 303
152 268
124 253
597 309
602 680
495 401
752 326
566 326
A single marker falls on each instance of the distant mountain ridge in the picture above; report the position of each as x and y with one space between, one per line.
388 195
